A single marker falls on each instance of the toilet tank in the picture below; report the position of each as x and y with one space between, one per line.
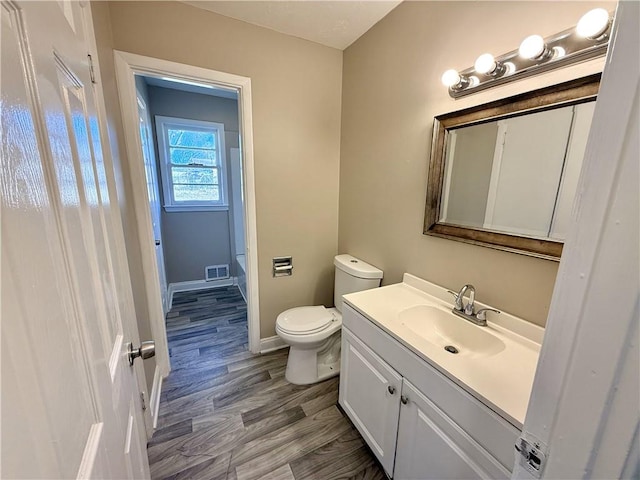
353 275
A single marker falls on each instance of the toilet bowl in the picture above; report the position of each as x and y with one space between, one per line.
313 333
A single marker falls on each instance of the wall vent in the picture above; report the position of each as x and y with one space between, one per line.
216 272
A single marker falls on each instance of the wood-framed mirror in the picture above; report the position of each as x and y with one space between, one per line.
504 174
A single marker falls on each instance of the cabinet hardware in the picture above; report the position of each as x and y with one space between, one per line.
404 399
391 389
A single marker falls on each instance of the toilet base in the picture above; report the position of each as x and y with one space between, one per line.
307 366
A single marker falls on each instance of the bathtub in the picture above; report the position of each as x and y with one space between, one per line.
241 272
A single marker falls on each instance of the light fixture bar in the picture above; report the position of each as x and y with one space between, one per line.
565 48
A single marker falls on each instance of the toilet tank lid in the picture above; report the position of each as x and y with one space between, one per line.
356 267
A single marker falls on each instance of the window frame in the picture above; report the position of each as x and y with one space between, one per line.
163 124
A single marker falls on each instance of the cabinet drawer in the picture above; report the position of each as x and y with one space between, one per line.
483 425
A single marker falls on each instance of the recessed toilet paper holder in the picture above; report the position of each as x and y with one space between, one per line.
282 266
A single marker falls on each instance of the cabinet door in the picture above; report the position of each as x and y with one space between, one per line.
370 395
432 446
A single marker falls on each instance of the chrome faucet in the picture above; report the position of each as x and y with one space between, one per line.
459 304
467 311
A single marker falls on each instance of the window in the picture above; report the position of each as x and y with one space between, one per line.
192 164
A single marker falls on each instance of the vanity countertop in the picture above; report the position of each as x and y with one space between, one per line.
499 377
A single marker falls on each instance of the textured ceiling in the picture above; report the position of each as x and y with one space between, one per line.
335 24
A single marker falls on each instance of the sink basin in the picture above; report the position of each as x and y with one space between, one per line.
444 329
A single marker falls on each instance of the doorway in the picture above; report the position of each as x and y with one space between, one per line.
191 148
189 77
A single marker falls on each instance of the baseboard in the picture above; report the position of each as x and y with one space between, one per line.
154 403
194 285
270 344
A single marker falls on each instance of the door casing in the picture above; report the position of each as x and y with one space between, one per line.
127 65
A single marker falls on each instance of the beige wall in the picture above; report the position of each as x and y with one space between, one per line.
391 92
296 88
104 43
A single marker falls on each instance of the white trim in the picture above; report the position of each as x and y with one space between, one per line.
146 238
270 344
163 123
584 402
193 285
128 64
451 154
91 448
154 402
496 168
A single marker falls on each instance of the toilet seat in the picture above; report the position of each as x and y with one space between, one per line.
307 320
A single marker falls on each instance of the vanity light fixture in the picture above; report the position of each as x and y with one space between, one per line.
533 48
593 24
486 64
452 79
588 40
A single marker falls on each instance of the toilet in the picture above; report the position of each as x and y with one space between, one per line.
313 333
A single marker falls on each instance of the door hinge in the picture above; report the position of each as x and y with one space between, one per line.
142 400
92 72
532 454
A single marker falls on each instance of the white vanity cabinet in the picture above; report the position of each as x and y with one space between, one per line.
370 394
418 422
431 446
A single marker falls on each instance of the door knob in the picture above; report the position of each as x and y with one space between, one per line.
145 350
404 399
391 389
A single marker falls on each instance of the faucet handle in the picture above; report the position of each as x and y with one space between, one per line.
481 315
458 302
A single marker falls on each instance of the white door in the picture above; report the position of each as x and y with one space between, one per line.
583 410
153 191
520 200
70 407
432 446
370 395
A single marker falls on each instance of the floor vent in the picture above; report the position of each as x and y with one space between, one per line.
216 272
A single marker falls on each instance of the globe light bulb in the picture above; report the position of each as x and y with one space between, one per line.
593 23
485 63
532 47
450 78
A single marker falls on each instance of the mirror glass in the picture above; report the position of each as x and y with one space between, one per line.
504 174
516 175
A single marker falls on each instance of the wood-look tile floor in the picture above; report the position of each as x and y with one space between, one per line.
226 414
